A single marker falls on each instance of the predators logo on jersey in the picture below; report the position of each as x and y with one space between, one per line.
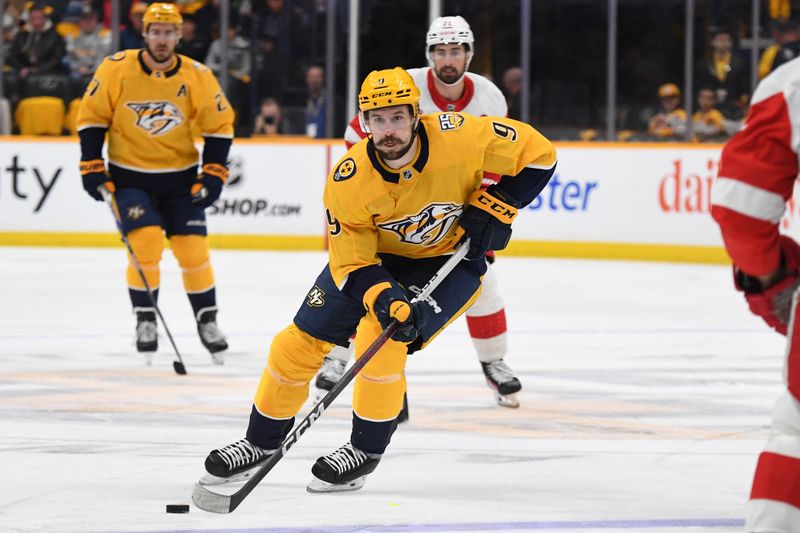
156 118
450 121
152 116
428 226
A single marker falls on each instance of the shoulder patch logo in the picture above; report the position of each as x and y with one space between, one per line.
345 170
156 118
450 121
427 227
316 297
119 56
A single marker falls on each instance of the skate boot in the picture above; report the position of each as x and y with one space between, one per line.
502 381
211 336
235 462
329 375
343 470
146 334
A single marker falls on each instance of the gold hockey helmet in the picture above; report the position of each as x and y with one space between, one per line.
387 88
162 12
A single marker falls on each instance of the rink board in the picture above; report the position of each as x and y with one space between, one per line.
606 200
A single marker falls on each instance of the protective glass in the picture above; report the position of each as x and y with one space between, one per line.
453 53
379 123
167 34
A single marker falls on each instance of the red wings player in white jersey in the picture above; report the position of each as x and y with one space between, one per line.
447 86
757 173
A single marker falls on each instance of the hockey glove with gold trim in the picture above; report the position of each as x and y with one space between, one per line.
94 176
388 301
487 221
209 184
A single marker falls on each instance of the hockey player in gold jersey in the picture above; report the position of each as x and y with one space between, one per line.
397 204
145 102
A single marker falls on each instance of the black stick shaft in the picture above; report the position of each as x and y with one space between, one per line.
109 198
220 503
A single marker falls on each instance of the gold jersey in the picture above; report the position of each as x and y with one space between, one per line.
414 211
149 114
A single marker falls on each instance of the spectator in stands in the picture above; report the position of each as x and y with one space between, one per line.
789 43
86 51
512 87
37 49
670 121
131 36
727 71
238 89
268 119
315 102
281 41
192 44
707 121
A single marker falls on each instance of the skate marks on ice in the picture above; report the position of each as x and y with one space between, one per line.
632 418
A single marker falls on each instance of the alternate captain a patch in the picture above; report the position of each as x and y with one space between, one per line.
345 170
450 121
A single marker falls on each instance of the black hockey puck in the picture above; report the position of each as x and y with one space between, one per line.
177 508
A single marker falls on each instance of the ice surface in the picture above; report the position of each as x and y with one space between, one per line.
647 394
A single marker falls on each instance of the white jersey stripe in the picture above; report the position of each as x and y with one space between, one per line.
748 200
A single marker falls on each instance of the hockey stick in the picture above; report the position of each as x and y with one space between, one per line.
225 503
109 198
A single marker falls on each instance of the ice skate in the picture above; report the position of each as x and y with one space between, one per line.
503 383
346 469
146 334
235 462
329 375
211 336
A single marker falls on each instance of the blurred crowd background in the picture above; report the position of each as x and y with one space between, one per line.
591 70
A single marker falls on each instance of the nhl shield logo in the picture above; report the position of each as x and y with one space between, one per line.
316 297
427 227
156 118
407 174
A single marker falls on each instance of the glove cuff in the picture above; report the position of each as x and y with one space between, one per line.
372 294
485 201
216 170
93 166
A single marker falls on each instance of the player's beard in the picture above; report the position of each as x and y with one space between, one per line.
395 152
449 75
162 54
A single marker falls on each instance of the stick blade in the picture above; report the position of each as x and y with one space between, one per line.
179 368
211 501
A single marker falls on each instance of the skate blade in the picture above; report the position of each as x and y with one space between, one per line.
148 358
218 358
507 400
211 480
317 486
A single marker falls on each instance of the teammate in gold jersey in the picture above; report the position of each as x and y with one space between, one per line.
397 204
145 101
